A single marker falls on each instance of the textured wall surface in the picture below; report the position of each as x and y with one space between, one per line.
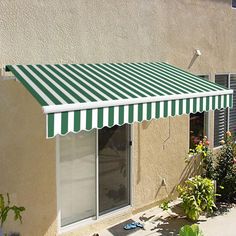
160 148
91 31
27 161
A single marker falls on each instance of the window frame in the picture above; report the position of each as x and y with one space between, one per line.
127 209
205 120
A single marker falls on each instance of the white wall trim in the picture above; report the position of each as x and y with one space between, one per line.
97 175
58 183
132 164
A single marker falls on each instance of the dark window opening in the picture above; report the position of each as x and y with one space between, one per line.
234 3
197 131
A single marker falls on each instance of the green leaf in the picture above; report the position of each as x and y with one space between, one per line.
2 204
185 230
165 205
192 230
5 209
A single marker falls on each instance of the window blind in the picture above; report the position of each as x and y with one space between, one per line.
232 112
221 116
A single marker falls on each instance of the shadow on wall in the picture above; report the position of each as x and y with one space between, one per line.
191 169
144 125
188 170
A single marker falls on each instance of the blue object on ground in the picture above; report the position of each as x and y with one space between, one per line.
139 224
133 225
130 226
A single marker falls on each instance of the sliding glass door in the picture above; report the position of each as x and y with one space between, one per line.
77 176
85 192
114 165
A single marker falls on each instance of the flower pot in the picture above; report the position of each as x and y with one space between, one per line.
1 232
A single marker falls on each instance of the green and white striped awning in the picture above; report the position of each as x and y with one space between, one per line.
79 97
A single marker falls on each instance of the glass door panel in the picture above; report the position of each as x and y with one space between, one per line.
77 176
114 174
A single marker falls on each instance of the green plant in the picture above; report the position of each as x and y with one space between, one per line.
197 195
225 170
192 230
201 147
5 208
201 150
165 205
208 166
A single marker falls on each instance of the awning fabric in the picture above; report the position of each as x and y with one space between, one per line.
79 97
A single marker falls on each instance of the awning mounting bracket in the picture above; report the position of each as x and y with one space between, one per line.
6 74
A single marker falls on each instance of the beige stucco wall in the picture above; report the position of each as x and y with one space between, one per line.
27 160
160 150
53 31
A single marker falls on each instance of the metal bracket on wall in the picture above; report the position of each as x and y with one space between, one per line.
5 75
8 78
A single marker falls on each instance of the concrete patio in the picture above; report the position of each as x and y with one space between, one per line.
159 223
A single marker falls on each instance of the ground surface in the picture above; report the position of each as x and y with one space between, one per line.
163 224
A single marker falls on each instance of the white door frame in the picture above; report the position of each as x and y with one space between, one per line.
74 226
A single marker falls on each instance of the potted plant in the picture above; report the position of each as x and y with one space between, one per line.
5 208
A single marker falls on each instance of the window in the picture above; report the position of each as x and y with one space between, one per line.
198 124
197 131
234 3
225 119
94 176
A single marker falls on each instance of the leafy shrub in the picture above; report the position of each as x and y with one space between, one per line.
225 170
192 230
220 167
197 195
